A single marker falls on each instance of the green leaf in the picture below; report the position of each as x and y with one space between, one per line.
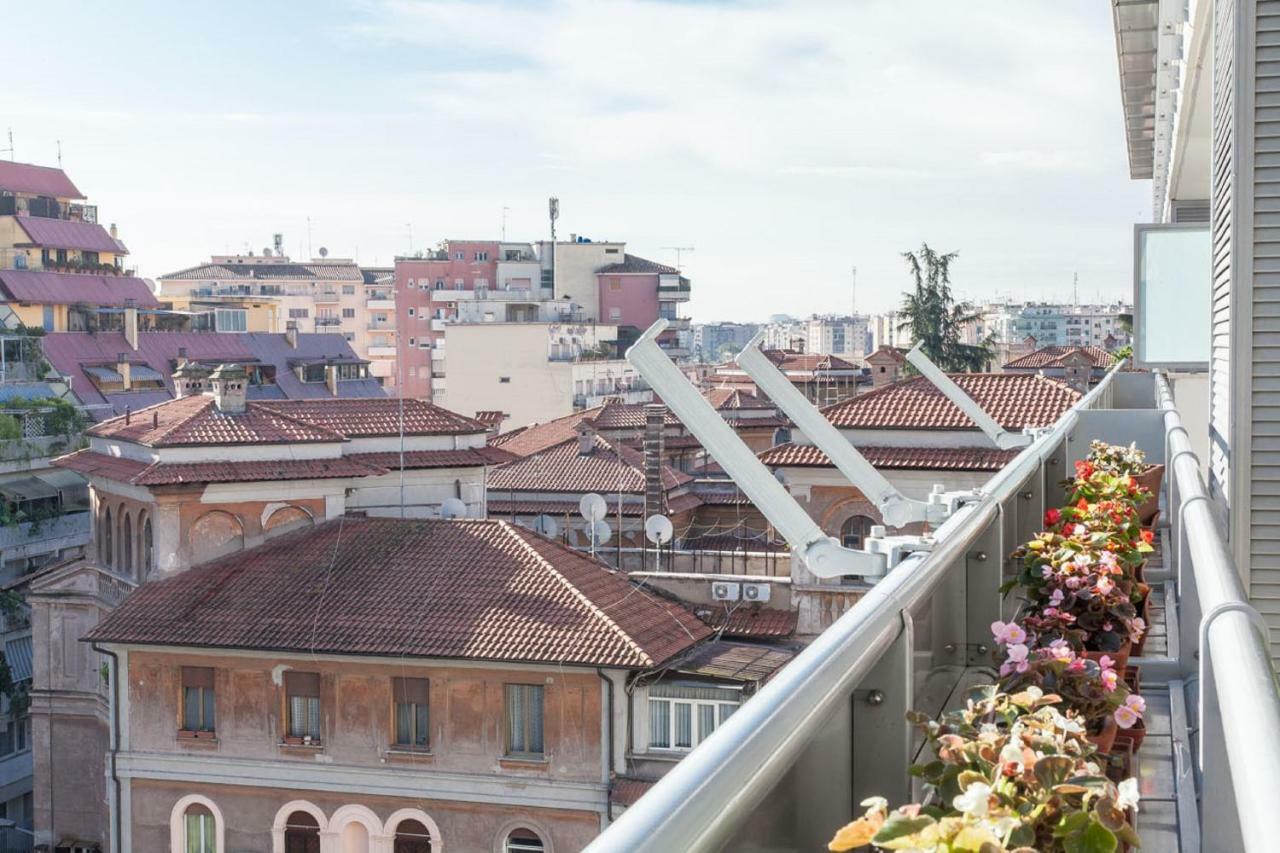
900 826
1095 838
1053 770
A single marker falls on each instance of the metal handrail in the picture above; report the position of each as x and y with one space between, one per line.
710 794
1235 657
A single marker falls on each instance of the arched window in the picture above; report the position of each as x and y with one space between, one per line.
108 540
781 435
148 549
301 834
198 830
412 837
524 841
855 530
126 542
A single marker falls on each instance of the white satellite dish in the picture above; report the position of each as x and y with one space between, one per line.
658 529
592 507
546 525
600 532
453 508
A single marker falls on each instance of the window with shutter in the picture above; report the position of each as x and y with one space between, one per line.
302 695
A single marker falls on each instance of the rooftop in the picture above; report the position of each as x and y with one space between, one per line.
475 590
69 234
895 458
609 467
1015 400
56 288
636 264
37 180
270 269
1054 356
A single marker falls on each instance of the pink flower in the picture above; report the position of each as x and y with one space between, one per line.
1136 703
1076 665
1017 659
1105 585
1047 571
1060 651
1125 717
1056 598
1110 679
1082 560
1008 632
1137 627
1074 583
1108 559
1106 662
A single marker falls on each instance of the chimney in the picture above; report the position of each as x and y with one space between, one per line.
586 437
1077 370
115 234
291 333
131 323
331 378
122 367
190 378
655 495
229 383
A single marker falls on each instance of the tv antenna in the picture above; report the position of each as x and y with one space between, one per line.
504 222
679 250
9 150
59 141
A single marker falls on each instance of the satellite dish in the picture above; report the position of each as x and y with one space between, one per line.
658 529
453 508
592 507
600 532
324 253
546 525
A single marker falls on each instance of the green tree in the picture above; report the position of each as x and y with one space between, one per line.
934 318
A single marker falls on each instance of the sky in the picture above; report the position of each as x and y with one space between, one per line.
786 142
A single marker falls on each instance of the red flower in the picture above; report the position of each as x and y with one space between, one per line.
1084 469
1052 517
1148 535
1082 505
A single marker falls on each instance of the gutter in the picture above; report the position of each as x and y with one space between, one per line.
115 743
609 728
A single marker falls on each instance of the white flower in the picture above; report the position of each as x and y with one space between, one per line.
1128 794
975 800
1004 826
1011 754
875 803
989 729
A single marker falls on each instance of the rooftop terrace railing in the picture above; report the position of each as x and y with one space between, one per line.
791 766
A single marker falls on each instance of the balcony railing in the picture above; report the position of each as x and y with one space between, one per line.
791 766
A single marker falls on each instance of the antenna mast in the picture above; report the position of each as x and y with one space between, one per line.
9 150
853 296
59 152
678 250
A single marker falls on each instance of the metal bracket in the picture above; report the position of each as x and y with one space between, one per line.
895 549
1002 438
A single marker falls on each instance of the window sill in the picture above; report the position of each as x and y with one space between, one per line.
202 739
408 753
522 762
306 747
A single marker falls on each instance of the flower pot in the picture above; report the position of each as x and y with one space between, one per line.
1144 610
1133 678
1150 480
1120 656
1133 736
1119 764
1104 741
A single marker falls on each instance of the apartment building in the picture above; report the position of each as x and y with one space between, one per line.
712 342
268 292
1050 324
827 334
823 379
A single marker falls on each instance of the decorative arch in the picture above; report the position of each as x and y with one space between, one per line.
854 531
106 545
282 818
286 519
126 541
834 515
178 827
214 534
349 820
421 817
147 546
544 834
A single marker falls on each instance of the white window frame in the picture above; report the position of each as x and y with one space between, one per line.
694 704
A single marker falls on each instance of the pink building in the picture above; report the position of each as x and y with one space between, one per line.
422 302
637 291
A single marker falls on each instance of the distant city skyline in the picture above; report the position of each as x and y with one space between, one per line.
787 143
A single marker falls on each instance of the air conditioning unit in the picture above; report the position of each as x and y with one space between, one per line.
726 591
756 592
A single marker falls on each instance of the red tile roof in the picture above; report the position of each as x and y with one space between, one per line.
627 416
37 180
68 234
1053 356
474 590
735 661
790 362
491 417
723 399
903 458
746 623
415 459
894 354
376 416
1015 400
229 269
563 469
500 504
537 437
627 792
55 288
116 468
175 473
198 421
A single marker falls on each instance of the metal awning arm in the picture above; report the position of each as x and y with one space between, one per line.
1003 439
822 554
896 509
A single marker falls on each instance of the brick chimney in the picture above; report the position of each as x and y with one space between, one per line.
1077 370
586 437
122 367
655 494
291 333
131 323
230 388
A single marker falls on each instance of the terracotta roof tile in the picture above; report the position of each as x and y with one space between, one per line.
723 399
198 421
746 623
537 437
89 462
607 468
517 504
476 590
270 271
627 416
376 416
1015 400
791 362
465 458
636 264
735 661
1053 356
902 458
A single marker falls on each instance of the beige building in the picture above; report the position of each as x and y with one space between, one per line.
532 371
324 295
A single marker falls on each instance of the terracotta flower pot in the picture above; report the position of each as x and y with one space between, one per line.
1133 677
1150 480
1105 739
1134 735
1144 610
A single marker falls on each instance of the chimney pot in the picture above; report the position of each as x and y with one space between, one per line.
586 438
